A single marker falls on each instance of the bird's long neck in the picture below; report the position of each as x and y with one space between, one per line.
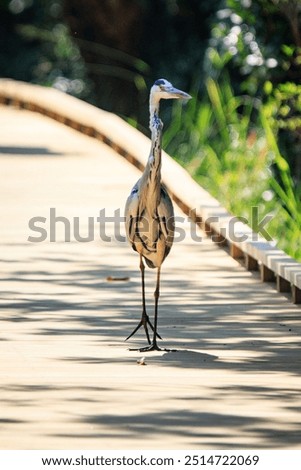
156 126
150 186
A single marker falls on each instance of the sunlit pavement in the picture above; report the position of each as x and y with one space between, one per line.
67 378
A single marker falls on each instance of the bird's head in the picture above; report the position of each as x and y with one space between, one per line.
162 89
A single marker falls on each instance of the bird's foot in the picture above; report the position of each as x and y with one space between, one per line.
152 347
144 322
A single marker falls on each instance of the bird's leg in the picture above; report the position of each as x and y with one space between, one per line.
144 318
154 345
156 294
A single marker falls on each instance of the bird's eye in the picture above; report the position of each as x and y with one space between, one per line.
160 82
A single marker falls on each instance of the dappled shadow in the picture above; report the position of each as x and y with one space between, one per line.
209 318
66 368
202 429
185 358
15 150
214 328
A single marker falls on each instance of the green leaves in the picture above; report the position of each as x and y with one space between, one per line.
229 145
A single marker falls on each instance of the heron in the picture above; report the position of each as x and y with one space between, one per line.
149 215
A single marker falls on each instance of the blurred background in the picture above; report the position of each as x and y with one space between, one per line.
240 137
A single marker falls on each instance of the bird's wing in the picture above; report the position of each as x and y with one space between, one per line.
166 218
131 214
152 237
164 232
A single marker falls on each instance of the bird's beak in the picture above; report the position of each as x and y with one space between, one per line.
172 92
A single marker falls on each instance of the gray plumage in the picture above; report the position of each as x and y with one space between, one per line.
149 215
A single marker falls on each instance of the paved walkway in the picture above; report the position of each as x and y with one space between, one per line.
67 378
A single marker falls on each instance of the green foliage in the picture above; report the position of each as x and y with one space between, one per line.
284 105
37 47
59 63
283 109
234 46
241 140
258 43
231 150
257 40
223 149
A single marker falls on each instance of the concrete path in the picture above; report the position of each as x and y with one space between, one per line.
67 378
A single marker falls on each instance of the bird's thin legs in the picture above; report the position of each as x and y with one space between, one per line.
157 295
145 321
154 345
